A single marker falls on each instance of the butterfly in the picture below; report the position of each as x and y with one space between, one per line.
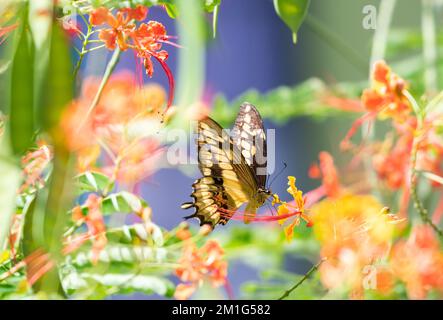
233 168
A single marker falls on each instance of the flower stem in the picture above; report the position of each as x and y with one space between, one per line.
418 204
429 46
303 279
109 69
380 39
379 42
83 51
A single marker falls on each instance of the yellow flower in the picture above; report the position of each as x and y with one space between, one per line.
297 206
4 256
354 231
350 214
275 199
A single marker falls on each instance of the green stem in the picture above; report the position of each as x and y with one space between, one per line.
418 204
83 52
215 21
303 279
429 46
336 42
380 39
108 72
379 43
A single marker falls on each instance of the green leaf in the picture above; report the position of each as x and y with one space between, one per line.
90 181
135 233
211 5
120 253
9 183
171 10
58 90
91 284
22 91
122 202
292 12
57 94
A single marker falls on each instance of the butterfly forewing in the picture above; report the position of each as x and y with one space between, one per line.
249 136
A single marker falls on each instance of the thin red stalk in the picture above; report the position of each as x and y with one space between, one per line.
170 80
438 213
5 30
48 266
236 215
171 43
229 291
138 70
34 264
314 196
357 124
75 243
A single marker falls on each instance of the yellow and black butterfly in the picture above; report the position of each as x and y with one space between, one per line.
233 168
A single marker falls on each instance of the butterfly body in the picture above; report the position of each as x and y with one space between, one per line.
233 168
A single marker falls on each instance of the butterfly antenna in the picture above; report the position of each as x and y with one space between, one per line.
271 208
278 174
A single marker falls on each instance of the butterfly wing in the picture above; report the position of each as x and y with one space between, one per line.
249 136
228 181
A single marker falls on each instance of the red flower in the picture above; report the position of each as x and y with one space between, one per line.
147 39
419 262
386 94
95 223
328 173
34 164
385 98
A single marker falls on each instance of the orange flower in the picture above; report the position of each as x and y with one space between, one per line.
198 265
112 133
147 39
121 24
34 164
418 262
328 173
391 159
95 223
392 164
386 94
